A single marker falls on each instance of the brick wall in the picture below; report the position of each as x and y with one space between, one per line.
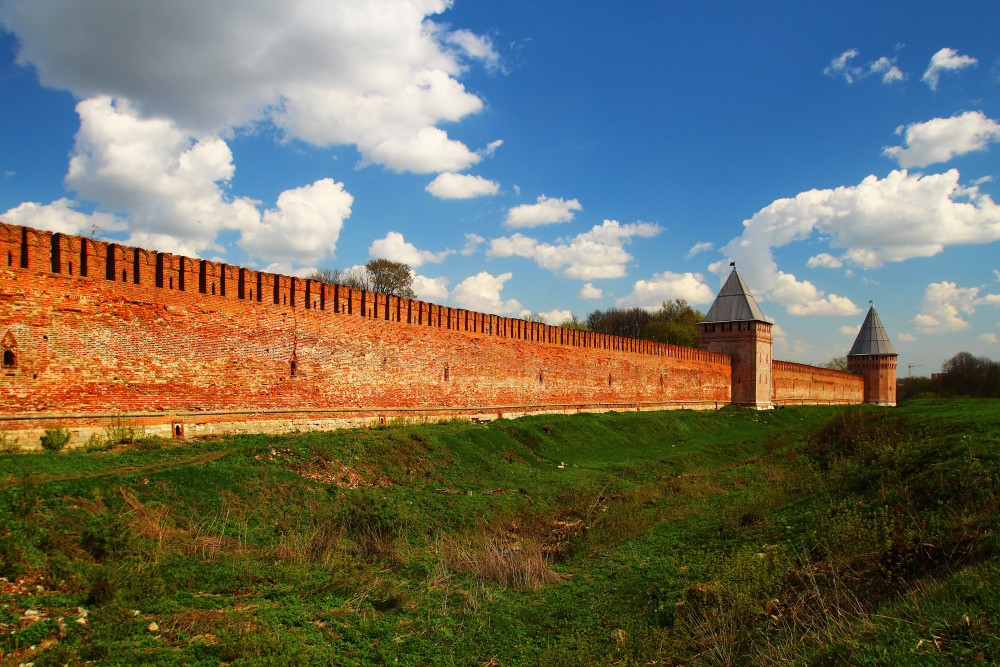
103 329
797 384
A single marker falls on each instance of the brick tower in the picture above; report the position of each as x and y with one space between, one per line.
735 326
873 357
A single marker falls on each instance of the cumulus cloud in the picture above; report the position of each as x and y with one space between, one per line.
945 305
378 75
430 289
172 188
599 253
394 247
892 219
544 212
481 292
588 291
461 186
304 227
472 243
887 68
941 139
841 67
554 317
987 338
825 260
667 286
945 60
906 338
699 248
849 330
61 216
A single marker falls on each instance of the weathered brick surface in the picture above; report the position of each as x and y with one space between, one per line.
798 384
749 344
879 373
103 328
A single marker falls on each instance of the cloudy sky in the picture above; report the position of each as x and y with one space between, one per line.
552 156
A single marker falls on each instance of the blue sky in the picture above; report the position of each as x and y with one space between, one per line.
554 157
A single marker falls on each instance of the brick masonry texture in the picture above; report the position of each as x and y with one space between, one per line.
183 346
798 384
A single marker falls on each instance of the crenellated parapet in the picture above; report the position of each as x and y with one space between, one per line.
84 258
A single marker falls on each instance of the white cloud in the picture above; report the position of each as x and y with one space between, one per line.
945 304
546 211
698 248
171 187
394 247
377 75
892 219
59 216
554 317
430 289
987 338
887 68
945 60
841 67
906 338
826 260
305 225
474 46
588 291
461 186
849 330
481 292
668 286
941 139
287 269
598 253
472 243
491 148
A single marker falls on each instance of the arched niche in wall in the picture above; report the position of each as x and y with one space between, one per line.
8 352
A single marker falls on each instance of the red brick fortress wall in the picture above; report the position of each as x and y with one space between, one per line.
799 384
101 329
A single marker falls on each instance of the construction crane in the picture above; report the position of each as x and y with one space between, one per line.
912 366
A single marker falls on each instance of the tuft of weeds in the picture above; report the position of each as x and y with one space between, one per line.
54 439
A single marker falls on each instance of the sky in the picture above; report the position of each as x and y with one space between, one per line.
549 157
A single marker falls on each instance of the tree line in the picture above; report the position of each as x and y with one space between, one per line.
963 375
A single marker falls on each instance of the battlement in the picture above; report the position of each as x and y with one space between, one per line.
25 248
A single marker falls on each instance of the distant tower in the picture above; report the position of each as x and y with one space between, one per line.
735 326
873 357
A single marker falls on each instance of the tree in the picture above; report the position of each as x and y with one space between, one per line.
573 323
378 275
968 375
391 277
837 364
676 323
626 322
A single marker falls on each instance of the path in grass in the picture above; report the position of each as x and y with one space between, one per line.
124 470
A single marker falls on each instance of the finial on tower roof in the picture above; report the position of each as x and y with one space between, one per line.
732 264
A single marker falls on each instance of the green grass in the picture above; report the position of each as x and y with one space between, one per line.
813 535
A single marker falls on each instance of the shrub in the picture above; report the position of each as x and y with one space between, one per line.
54 439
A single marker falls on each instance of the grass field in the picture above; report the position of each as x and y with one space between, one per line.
813 535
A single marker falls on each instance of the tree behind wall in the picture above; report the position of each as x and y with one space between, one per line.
378 275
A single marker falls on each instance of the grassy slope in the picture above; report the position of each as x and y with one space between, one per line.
816 535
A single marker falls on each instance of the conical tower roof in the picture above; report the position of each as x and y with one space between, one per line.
734 303
872 339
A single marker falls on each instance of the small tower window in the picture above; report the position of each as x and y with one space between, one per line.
8 351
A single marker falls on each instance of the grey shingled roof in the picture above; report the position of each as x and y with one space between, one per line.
735 303
872 339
